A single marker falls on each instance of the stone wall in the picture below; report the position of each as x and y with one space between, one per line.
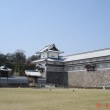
89 79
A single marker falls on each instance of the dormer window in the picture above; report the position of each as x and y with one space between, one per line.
90 67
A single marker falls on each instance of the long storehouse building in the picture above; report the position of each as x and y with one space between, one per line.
89 69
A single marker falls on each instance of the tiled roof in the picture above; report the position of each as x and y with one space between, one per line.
47 48
86 55
32 73
4 68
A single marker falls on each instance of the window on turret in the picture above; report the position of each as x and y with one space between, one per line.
53 55
44 55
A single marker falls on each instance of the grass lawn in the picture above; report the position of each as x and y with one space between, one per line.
57 99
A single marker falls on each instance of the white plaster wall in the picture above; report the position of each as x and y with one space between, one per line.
53 55
44 55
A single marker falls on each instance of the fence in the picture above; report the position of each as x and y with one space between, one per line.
13 82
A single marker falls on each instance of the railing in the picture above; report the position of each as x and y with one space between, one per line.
13 81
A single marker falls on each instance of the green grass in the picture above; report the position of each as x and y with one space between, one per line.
58 99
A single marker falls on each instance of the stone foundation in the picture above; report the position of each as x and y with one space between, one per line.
89 79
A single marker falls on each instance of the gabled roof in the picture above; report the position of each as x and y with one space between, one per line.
33 73
49 47
86 55
4 68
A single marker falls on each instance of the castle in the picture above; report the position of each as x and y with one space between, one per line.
88 69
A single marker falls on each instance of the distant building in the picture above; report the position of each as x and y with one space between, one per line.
4 71
88 69
7 80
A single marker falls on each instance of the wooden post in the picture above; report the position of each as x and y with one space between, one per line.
0 78
34 82
0 75
7 79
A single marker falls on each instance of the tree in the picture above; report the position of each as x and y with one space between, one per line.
19 56
19 60
33 57
3 59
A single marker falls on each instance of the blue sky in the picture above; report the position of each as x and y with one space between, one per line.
73 25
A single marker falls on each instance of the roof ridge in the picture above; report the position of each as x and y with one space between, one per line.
46 48
48 45
88 52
